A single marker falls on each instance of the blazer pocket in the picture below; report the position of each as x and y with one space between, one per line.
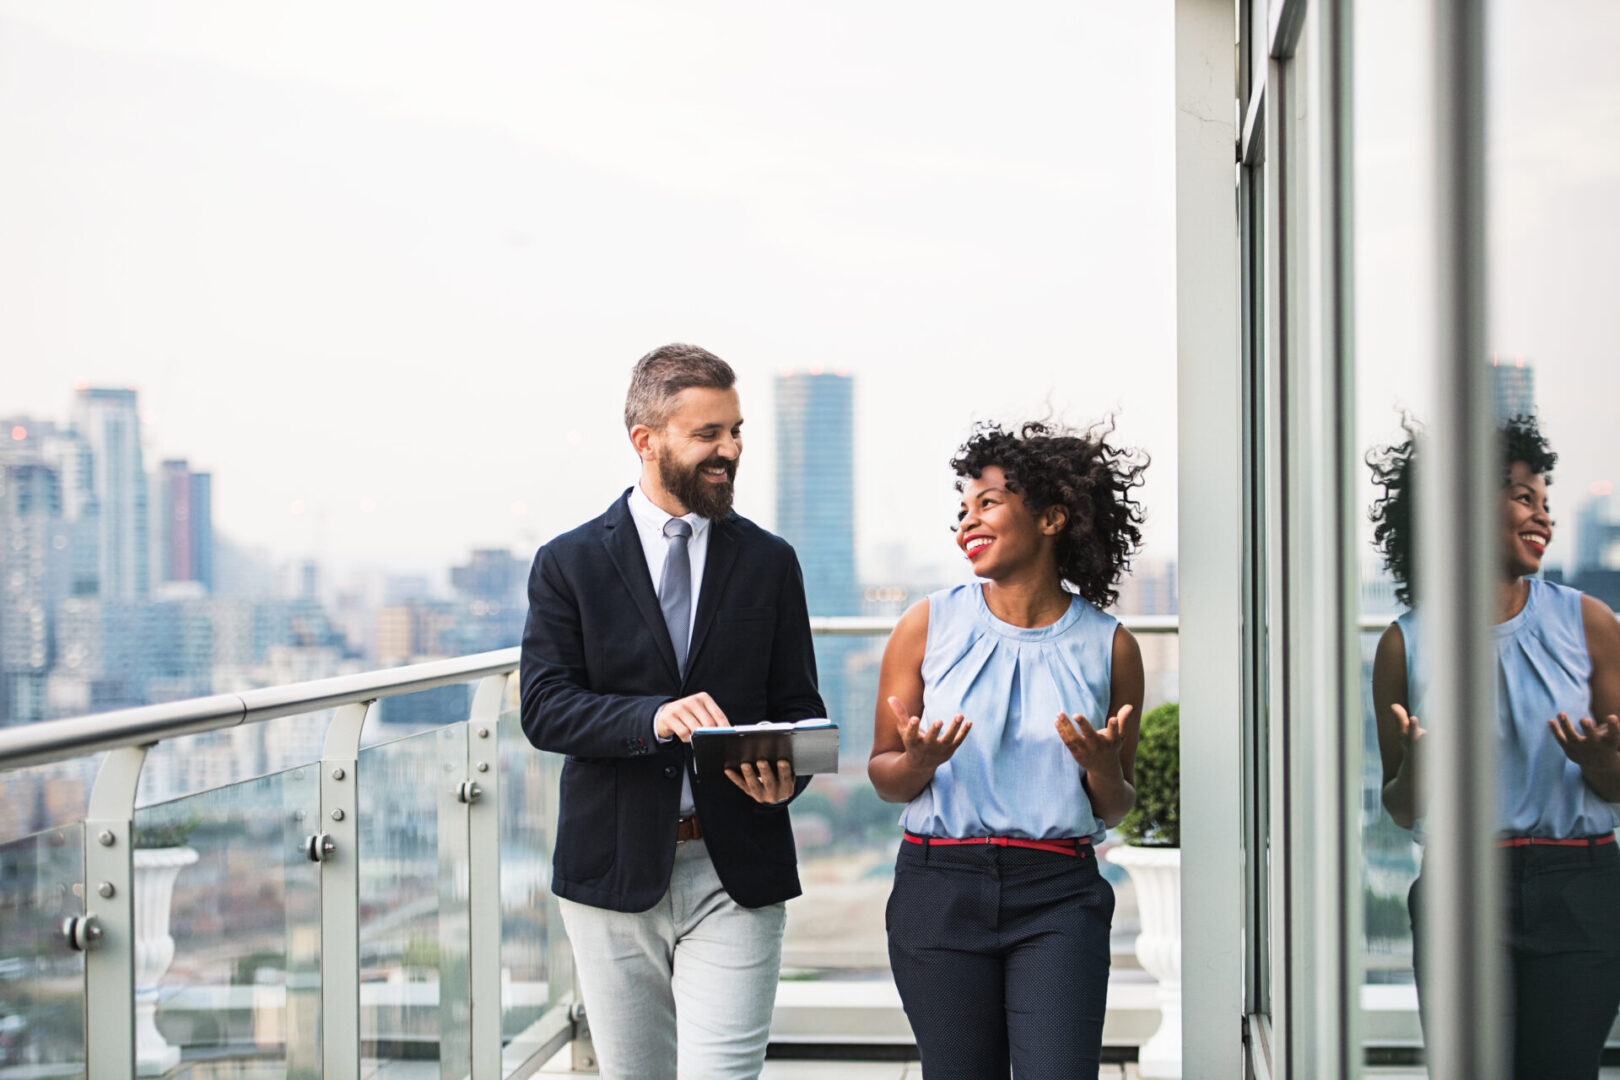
745 614
587 818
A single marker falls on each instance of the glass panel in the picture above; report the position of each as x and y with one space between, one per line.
537 966
413 903
227 915
1394 331
1553 184
41 979
46 796
196 763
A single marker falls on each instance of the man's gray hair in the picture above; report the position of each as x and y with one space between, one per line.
664 373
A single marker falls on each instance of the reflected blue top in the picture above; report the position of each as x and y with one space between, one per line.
1542 669
1012 775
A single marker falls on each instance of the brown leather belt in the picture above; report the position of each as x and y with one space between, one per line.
688 829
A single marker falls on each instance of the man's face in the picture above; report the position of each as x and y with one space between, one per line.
698 449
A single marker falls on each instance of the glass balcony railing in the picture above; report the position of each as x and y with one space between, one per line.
284 883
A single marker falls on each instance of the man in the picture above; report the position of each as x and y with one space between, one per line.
667 614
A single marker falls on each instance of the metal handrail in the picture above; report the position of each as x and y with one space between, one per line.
58 740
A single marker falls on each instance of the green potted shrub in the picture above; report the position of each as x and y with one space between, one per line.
1151 854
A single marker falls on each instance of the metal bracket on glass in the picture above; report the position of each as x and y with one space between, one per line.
582 1050
318 846
81 932
468 791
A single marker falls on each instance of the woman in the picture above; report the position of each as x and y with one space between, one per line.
1007 722
1557 656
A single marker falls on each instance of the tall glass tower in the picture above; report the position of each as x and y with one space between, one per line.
815 485
110 423
815 512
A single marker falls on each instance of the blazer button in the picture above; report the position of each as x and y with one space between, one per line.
669 770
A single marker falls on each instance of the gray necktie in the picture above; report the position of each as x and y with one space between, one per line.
675 594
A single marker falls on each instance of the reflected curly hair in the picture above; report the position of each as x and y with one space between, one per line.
1050 465
1521 440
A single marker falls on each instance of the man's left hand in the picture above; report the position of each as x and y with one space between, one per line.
762 782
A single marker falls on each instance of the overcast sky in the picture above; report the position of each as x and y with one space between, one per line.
391 261
407 253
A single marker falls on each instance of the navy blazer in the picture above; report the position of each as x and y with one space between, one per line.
597 664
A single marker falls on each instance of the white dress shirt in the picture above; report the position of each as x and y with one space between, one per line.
650 522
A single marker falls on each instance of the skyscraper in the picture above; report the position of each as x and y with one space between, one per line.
815 512
1597 534
1514 385
30 514
815 485
186 524
109 421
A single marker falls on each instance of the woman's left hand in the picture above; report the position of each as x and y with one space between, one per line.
1591 746
1095 750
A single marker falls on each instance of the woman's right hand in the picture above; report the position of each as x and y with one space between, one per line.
1412 735
931 747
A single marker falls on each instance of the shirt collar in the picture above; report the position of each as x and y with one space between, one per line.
648 516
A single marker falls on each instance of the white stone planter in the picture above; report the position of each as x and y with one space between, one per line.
155 871
1157 875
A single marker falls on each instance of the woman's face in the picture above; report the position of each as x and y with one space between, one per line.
995 529
1527 526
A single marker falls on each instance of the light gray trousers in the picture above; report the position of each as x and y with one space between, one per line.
691 981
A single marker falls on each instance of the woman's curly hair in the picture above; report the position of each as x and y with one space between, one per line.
1053 466
1392 467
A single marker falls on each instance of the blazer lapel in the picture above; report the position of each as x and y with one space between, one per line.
716 569
624 548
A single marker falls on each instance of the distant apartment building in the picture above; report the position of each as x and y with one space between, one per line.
30 520
47 551
408 632
109 422
1514 384
1149 589
186 524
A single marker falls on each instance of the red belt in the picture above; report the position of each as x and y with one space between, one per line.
1070 846
1546 841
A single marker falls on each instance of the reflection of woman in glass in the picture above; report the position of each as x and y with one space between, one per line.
999 920
1558 658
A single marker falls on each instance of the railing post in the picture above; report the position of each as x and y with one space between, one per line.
302 899
456 796
109 905
484 859
340 893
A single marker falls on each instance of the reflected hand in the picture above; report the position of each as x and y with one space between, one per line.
933 747
763 783
1092 749
1590 745
1412 736
679 718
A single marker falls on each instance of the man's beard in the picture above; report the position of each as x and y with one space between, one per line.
698 495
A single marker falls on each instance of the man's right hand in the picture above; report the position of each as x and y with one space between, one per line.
679 718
